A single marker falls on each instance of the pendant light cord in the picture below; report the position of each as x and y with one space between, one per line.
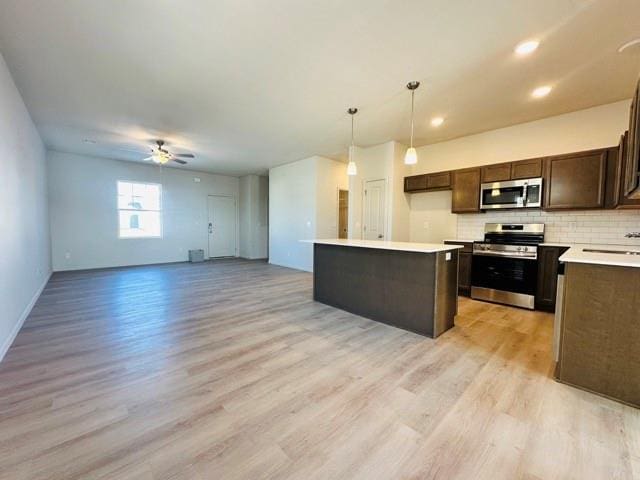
413 92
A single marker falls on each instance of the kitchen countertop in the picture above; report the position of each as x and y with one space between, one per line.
385 245
576 254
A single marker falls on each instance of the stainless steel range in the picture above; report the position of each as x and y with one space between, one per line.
505 267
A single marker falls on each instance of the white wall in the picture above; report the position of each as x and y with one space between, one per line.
381 162
330 178
292 213
25 263
84 220
254 205
582 130
303 204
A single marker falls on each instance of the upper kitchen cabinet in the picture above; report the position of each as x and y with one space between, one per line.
575 181
466 190
531 168
631 179
616 168
495 173
427 182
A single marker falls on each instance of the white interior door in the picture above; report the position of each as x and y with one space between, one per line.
374 203
222 226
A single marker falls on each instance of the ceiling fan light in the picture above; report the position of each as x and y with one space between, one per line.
411 157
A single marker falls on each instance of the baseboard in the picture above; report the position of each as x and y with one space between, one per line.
25 313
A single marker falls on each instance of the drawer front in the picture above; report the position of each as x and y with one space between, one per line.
496 173
439 180
415 183
526 169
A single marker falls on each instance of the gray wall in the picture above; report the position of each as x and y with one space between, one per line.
24 222
84 220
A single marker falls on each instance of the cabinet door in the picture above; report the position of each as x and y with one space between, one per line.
547 277
575 181
632 169
415 183
496 173
526 169
439 181
464 273
466 191
622 200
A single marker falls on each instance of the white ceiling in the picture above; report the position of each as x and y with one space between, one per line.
249 85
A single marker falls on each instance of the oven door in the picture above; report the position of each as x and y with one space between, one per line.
504 279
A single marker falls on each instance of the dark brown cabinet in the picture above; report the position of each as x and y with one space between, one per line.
496 173
616 166
575 181
465 258
427 182
466 190
439 181
531 168
416 183
631 179
547 277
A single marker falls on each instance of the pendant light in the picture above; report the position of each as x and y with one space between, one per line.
411 157
352 168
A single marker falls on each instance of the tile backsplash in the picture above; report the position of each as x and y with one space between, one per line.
596 226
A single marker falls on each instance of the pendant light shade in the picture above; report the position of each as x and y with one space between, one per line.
411 157
352 168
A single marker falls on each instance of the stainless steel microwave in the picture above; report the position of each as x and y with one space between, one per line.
525 193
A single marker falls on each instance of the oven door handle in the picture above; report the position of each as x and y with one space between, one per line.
508 255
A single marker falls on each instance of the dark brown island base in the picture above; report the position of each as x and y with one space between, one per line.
409 285
598 325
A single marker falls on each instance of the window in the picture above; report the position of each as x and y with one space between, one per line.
139 210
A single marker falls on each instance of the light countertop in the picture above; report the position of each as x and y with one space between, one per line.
577 254
385 245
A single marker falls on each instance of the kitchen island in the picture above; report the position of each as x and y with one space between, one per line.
409 285
598 325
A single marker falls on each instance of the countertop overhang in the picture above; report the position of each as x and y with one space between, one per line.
577 254
386 245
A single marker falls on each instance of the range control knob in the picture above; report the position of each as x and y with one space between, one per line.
519 249
526 249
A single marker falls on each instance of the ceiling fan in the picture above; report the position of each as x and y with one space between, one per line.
161 155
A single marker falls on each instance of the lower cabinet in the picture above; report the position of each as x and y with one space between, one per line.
547 277
465 258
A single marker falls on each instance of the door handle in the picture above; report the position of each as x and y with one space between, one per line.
380 236
210 227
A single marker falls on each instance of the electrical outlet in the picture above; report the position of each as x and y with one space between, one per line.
67 255
425 225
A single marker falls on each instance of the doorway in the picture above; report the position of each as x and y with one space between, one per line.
222 226
374 210
343 213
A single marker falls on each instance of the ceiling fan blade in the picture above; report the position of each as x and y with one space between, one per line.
147 159
184 155
177 160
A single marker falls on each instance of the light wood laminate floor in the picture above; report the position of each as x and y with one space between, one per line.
229 370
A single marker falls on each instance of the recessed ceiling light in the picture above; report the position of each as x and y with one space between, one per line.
437 121
541 91
525 48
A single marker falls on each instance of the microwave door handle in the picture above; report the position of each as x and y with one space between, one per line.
524 195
